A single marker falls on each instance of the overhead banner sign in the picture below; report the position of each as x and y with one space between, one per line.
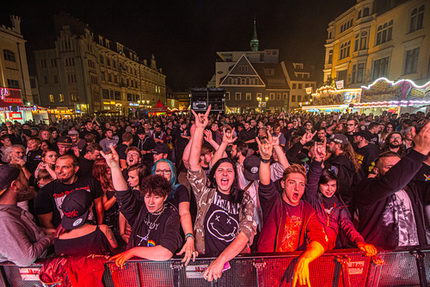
10 96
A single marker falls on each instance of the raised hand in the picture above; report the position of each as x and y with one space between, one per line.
112 159
208 135
265 147
228 136
307 137
202 120
422 140
320 151
275 140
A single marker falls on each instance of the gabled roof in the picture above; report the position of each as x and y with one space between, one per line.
272 75
242 68
306 69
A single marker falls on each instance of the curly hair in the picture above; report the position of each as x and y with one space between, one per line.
101 173
155 184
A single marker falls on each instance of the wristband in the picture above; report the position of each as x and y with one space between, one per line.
188 235
264 160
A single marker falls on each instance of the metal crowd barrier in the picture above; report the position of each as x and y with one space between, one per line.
348 267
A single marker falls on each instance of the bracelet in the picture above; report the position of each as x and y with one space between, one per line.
264 160
188 235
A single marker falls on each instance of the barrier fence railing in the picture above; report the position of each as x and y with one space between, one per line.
348 267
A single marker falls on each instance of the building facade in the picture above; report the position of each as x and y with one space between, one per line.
13 61
84 72
302 82
377 38
254 80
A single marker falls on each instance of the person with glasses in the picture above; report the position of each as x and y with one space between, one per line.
180 198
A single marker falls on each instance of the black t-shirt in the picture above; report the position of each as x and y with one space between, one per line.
85 166
51 196
221 224
120 149
150 230
146 144
366 157
33 159
181 195
91 243
423 175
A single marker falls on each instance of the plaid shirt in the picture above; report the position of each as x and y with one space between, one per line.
204 198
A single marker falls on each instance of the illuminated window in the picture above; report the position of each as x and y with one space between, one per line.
248 96
411 61
61 98
344 50
416 19
51 98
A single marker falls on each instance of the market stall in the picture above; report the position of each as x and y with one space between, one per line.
328 99
159 109
402 96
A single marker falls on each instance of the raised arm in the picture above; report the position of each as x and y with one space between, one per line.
112 159
196 146
226 140
265 149
282 158
187 150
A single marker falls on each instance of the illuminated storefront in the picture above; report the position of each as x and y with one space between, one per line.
328 99
399 97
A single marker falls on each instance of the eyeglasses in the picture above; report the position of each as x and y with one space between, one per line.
165 171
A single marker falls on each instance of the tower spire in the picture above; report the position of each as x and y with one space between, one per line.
254 41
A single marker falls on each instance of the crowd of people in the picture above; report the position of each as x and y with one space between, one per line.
214 185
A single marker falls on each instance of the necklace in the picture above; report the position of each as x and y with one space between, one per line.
151 225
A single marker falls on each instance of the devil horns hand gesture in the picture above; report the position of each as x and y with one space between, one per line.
202 119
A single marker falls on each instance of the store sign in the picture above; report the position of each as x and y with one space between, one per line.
10 96
339 84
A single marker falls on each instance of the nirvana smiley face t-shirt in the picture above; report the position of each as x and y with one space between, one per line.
221 224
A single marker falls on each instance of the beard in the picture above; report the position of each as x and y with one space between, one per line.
24 194
394 144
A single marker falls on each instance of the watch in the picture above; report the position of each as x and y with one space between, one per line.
264 160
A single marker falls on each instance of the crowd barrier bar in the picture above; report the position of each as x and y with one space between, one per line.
346 268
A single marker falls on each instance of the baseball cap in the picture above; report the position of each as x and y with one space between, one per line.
339 138
73 132
8 173
364 134
75 207
161 148
64 141
251 166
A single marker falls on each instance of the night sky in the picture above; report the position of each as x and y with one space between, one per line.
184 35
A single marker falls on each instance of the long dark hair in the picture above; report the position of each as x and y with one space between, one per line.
236 194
